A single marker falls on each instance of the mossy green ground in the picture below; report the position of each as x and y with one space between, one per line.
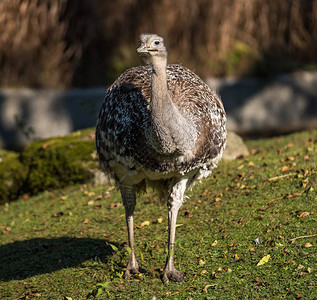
47 164
58 162
72 242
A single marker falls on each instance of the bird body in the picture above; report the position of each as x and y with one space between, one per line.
160 125
123 143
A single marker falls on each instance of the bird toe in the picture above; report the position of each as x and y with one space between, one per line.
177 276
133 271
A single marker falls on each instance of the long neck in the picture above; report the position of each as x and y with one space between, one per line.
171 132
160 99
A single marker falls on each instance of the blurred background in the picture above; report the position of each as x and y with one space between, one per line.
70 43
260 55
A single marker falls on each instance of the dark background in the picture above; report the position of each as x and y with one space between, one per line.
76 43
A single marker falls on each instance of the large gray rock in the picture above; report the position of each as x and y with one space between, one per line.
261 107
28 115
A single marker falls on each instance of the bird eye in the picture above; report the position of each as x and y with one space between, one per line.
157 42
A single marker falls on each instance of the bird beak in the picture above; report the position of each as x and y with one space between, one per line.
141 49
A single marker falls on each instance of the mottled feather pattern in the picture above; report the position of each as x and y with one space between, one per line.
125 119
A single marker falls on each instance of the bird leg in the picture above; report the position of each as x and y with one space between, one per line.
175 201
129 202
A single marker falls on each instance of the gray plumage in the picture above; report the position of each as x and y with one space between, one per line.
160 125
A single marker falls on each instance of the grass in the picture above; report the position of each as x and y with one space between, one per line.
72 242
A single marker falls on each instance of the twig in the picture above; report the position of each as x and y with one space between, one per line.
281 176
303 237
273 200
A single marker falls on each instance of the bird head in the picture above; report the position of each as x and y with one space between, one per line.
151 46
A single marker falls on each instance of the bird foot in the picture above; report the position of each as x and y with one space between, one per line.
174 275
133 271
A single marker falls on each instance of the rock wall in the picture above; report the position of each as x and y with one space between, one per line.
27 115
258 107
255 107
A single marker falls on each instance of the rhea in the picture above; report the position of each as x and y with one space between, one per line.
161 126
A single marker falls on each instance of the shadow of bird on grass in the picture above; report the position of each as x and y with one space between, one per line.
23 259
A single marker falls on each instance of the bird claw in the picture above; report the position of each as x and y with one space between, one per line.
174 275
133 271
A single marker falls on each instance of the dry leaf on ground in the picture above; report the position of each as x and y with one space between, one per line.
264 260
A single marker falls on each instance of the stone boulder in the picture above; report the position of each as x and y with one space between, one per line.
235 147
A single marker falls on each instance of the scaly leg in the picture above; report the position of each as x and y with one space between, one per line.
175 201
129 201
